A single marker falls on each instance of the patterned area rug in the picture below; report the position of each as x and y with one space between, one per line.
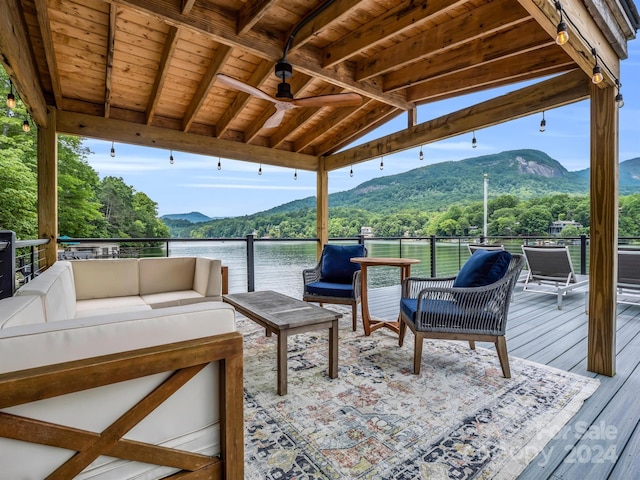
459 419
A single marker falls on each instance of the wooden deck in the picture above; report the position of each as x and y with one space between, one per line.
539 332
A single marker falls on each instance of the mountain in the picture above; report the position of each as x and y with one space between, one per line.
193 217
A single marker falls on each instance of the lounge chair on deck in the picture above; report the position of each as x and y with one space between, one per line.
629 277
551 272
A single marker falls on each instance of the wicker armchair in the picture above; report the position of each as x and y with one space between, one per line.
433 308
342 288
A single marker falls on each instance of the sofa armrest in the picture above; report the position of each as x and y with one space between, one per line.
207 279
182 359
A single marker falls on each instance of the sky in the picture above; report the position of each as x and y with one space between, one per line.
193 183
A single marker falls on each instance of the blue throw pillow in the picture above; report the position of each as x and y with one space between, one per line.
483 268
336 266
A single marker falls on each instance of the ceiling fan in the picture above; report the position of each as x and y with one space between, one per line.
284 100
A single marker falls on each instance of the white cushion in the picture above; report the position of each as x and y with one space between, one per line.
101 306
208 277
105 278
22 310
55 286
158 275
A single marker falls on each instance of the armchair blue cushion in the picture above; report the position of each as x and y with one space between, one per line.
336 265
483 268
342 290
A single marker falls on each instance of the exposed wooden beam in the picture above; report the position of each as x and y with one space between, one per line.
481 22
187 5
577 48
258 76
111 48
334 119
17 60
205 85
404 16
511 69
322 208
329 15
475 54
48 186
220 26
557 91
357 128
251 13
49 51
156 137
603 246
161 74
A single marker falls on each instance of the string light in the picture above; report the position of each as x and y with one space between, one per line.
562 35
260 170
543 123
171 157
381 163
219 164
474 142
295 174
619 99
113 150
11 98
421 155
597 71
25 125
351 171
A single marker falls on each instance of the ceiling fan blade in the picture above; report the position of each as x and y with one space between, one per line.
243 87
275 119
337 100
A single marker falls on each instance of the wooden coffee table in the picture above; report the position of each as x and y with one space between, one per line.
286 316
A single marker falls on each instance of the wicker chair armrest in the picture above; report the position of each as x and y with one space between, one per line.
311 274
357 286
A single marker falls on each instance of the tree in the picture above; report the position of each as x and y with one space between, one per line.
535 221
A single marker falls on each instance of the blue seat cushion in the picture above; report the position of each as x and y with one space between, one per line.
336 265
328 289
483 268
444 314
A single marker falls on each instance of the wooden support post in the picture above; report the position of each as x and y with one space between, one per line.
603 268
48 186
322 205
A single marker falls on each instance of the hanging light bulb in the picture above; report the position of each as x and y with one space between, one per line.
474 142
381 163
219 164
562 35
11 98
619 99
295 174
171 157
421 155
351 172
260 170
543 123
113 150
25 126
597 71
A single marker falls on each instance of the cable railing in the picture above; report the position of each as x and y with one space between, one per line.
277 264
20 261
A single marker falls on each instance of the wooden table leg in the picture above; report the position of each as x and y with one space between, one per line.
333 349
364 301
282 363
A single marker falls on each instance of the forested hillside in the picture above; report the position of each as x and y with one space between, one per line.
528 190
88 206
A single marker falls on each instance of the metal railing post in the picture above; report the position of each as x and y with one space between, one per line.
583 254
7 263
251 267
433 255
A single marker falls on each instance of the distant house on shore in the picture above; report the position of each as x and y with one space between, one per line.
366 231
556 227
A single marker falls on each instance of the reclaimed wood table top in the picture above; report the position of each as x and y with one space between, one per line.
279 311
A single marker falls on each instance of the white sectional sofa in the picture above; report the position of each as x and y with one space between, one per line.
118 369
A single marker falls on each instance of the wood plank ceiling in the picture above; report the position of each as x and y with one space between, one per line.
155 62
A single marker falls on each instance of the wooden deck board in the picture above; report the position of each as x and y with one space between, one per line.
541 333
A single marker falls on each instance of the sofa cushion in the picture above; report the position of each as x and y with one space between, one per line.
158 275
105 278
207 280
100 306
483 268
22 310
55 287
336 265
328 289
172 299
